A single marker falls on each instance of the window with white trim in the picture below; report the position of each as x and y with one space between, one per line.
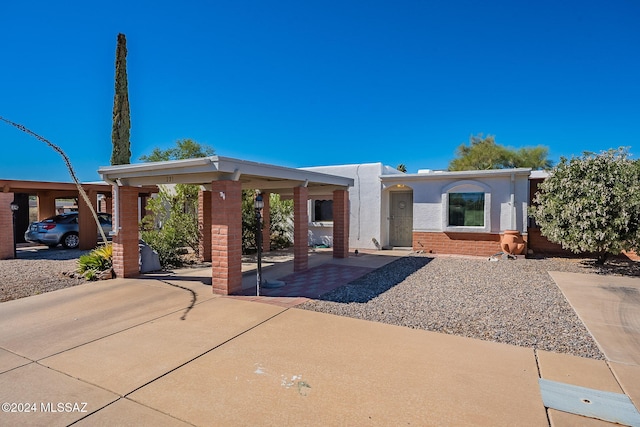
322 210
466 207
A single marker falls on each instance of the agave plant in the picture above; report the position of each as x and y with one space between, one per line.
96 261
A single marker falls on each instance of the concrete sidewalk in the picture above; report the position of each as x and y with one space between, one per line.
139 352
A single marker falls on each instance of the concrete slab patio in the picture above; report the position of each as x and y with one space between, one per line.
147 352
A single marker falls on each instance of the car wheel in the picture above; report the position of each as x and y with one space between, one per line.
71 241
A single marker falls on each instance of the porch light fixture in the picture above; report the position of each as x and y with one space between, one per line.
258 205
14 211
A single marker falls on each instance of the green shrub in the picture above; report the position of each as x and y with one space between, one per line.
172 223
96 261
163 241
281 222
591 204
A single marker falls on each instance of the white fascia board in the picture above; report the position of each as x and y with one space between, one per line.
211 168
136 168
456 174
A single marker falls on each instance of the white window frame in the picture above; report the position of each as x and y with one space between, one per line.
466 186
312 216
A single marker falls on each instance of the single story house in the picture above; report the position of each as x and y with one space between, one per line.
346 207
436 212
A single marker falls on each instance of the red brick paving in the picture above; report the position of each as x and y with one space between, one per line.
304 285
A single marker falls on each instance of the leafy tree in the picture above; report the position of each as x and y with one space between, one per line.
402 168
121 152
281 216
591 204
173 222
248 222
484 153
532 157
281 222
184 149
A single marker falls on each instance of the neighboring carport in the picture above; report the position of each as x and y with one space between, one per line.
222 180
17 191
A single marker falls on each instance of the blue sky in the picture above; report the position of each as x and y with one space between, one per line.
299 83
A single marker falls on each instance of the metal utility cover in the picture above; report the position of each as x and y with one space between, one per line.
604 405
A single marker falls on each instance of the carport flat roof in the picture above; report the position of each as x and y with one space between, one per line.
22 186
203 171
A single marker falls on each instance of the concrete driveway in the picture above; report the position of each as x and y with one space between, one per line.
136 352
609 306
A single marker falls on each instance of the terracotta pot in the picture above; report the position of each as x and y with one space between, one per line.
512 242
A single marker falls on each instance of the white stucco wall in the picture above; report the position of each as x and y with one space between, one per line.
429 209
365 205
374 182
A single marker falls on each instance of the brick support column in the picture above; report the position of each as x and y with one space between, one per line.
341 224
6 226
108 205
126 253
204 225
226 237
46 205
87 228
300 229
266 223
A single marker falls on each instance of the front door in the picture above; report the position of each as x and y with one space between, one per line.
401 219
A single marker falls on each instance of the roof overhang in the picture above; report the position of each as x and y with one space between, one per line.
203 171
439 175
19 186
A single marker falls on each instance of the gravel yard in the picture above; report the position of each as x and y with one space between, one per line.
512 302
38 270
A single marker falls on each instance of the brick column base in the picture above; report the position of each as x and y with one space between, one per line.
226 237
300 229
204 225
126 253
6 226
341 224
266 223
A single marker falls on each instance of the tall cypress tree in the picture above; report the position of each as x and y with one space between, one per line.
121 153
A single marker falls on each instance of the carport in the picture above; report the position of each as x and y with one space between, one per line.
17 191
222 180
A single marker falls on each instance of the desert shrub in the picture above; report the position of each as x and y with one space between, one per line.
96 261
172 223
281 217
281 230
591 204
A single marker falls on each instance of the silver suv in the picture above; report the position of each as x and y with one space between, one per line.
61 229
